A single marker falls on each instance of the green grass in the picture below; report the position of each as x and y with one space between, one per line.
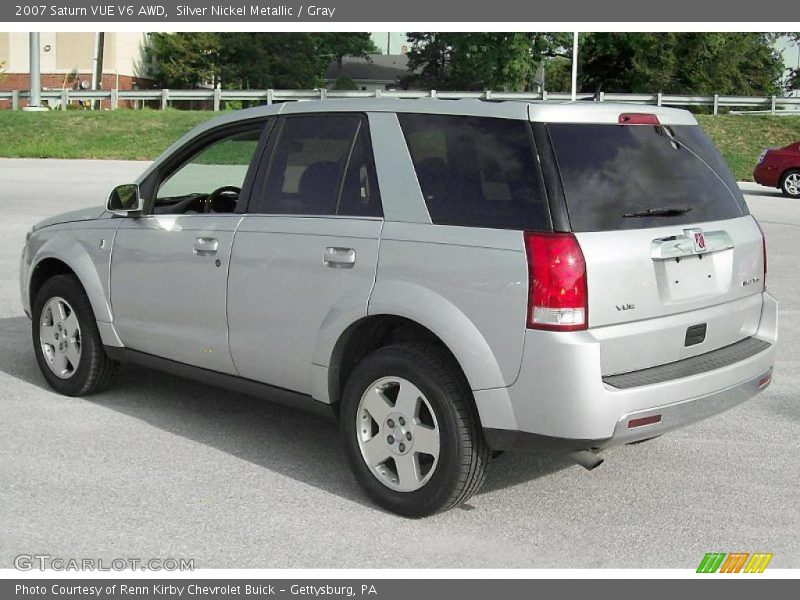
741 138
121 134
144 134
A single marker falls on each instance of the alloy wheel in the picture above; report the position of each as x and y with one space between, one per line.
398 434
60 337
792 184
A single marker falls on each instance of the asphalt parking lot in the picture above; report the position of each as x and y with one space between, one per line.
163 467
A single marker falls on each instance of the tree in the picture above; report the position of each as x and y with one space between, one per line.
272 60
558 74
187 59
682 63
338 45
793 77
480 60
253 60
343 82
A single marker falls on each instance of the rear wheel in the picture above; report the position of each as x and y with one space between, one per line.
790 183
66 342
411 432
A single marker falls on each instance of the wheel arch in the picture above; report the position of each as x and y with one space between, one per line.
67 256
375 331
45 269
370 333
407 312
788 169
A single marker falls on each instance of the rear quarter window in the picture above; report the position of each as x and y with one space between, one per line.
608 171
477 171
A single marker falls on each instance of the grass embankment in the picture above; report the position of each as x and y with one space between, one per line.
741 138
121 134
144 134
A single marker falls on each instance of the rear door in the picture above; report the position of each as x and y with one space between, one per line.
674 261
306 252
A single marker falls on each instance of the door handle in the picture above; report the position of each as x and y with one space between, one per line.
205 246
339 258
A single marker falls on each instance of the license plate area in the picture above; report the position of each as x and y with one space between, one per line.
693 276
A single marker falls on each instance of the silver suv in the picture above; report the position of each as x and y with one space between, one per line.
448 278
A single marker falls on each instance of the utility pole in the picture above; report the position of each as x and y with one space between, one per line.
574 66
97 63
34 68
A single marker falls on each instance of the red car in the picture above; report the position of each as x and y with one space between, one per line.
780 168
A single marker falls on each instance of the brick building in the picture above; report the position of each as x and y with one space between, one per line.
66 61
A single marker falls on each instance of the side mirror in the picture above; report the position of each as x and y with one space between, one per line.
125 201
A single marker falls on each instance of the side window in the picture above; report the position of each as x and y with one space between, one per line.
360 196
306 166
211 180
477 171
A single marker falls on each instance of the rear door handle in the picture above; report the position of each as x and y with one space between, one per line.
205 246
339 258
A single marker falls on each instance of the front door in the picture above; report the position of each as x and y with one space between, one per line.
169 269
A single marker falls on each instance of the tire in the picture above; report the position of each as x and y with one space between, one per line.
790 183
422 376
71 357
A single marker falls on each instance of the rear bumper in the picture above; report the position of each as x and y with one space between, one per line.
560 401
670 416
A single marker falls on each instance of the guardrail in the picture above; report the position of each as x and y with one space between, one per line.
62 98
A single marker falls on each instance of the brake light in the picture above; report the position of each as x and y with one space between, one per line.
763 252
557 296
638 119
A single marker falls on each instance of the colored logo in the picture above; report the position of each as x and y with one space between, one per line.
698 239
734 562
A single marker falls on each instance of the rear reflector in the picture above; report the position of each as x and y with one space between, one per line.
765 379
557 297
638 119
644 421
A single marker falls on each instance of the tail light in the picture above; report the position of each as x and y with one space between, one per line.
557 298
763 251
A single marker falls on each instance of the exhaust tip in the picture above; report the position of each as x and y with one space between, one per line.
587 459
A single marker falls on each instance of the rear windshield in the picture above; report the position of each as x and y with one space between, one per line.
614 174
477 171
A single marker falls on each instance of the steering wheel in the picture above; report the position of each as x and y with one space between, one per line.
224 197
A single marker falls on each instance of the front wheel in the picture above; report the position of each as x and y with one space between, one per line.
411 432
66 342
790 184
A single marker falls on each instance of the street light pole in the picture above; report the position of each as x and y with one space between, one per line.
574 66
97 63
34 68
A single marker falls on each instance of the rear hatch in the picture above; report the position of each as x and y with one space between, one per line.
674 261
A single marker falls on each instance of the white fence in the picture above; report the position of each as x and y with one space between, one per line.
215 97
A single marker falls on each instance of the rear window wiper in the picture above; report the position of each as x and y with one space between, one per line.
664 211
